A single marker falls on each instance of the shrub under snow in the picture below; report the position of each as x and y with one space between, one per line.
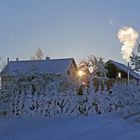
37 95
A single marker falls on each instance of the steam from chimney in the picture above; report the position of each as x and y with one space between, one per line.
128 37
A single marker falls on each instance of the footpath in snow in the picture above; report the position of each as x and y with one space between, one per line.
101 127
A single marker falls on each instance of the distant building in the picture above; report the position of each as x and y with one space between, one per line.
60 67
119 70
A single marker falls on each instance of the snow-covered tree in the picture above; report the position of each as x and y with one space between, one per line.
94 64
39 54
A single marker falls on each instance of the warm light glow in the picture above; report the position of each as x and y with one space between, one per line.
119 75
80 73
83 83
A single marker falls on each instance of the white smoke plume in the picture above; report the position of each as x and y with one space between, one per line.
128 37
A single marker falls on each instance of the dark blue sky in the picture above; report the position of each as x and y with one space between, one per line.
65 28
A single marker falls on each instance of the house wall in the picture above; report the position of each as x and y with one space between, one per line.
113 72
72 72
6 80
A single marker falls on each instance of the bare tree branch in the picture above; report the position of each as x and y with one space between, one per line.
93 64
39 55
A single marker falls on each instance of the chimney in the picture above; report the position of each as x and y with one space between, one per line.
17 59
8 59
47 58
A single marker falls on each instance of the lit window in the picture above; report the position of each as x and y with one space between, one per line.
119 75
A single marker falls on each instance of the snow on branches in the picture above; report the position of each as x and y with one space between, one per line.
50 95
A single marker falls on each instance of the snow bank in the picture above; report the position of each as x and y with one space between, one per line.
103 127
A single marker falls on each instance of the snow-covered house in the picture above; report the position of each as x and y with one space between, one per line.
119 70
60 67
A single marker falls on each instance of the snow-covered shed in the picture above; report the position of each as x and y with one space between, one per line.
64 67
119 70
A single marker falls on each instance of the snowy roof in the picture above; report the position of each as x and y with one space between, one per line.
125 68
57 66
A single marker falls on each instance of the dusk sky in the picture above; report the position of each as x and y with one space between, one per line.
65 28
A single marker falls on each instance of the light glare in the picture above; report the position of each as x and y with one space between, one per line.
80 73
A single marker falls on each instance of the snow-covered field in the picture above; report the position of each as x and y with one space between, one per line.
100 127
42 109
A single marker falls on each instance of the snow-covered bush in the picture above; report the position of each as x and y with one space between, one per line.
51 95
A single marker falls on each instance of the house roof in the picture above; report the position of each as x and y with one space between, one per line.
125 69
57 66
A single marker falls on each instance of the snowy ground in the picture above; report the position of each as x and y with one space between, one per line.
103 127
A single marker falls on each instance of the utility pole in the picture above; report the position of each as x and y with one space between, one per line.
128 74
